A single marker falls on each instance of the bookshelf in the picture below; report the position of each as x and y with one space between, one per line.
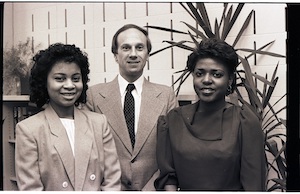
15 108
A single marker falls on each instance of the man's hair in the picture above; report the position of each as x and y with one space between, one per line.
114 46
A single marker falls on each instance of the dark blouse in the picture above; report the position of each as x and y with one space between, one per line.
221 150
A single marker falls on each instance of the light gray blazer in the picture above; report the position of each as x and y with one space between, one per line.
139 166
44 158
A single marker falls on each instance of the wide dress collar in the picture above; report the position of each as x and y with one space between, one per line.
205 125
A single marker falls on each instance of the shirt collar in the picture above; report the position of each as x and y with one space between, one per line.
138 84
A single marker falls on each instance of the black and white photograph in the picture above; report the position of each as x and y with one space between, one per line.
150 96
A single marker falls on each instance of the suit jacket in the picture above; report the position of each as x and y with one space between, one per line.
44 158
139 166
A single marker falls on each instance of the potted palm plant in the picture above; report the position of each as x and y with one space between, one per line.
247 91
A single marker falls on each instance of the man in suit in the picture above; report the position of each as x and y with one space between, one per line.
137 152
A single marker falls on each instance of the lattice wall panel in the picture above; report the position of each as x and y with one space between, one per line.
92 25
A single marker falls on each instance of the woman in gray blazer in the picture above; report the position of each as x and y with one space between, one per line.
63 148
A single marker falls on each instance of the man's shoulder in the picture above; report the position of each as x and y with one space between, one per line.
159 86
101 86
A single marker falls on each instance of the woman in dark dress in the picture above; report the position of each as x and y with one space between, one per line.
211 145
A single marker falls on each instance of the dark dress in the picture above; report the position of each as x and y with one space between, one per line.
221 150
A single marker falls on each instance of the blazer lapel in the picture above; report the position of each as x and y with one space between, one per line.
61 142
83 147
109 103
151 108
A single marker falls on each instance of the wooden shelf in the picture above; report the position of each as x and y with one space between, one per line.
14 179
20 98
13 141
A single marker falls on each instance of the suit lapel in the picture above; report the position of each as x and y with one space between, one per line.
109 103
151 108
61 142
83 147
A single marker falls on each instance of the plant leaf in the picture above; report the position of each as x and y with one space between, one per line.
223 14
186 9
200 21
269 93
248 73
196 31
262 79
261 52
217 29
160 50
234 18
226 23
181 45
194 40
182 79
275 71
203 12
274 114
166 29
244 27
272 145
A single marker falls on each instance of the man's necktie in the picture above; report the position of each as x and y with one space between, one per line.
129 112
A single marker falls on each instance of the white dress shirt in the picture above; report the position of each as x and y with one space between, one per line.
137 95
70 129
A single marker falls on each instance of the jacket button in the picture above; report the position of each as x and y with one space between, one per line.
92 177
65 184
129 183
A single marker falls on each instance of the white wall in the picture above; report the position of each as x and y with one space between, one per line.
92 25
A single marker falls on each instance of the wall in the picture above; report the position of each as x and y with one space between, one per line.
92 25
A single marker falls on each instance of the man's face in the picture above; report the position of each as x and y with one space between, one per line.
132 54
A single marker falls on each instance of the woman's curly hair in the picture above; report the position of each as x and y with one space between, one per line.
217 50
43 62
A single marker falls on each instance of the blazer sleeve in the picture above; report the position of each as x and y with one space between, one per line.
164 156
112 169
173 102
26 160
253 159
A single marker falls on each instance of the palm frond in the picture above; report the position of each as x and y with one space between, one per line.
261 52
203 12
194 40
199 33
217 29
262 79
248 73
188 11
179 44
269 93
243 28
165 29
200 21
232 20
274 104
226 22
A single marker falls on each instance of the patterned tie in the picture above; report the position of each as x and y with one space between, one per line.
129 112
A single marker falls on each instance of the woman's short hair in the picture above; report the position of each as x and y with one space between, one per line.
114 45
217 50
43 62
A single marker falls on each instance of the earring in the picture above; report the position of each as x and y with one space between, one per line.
229 89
